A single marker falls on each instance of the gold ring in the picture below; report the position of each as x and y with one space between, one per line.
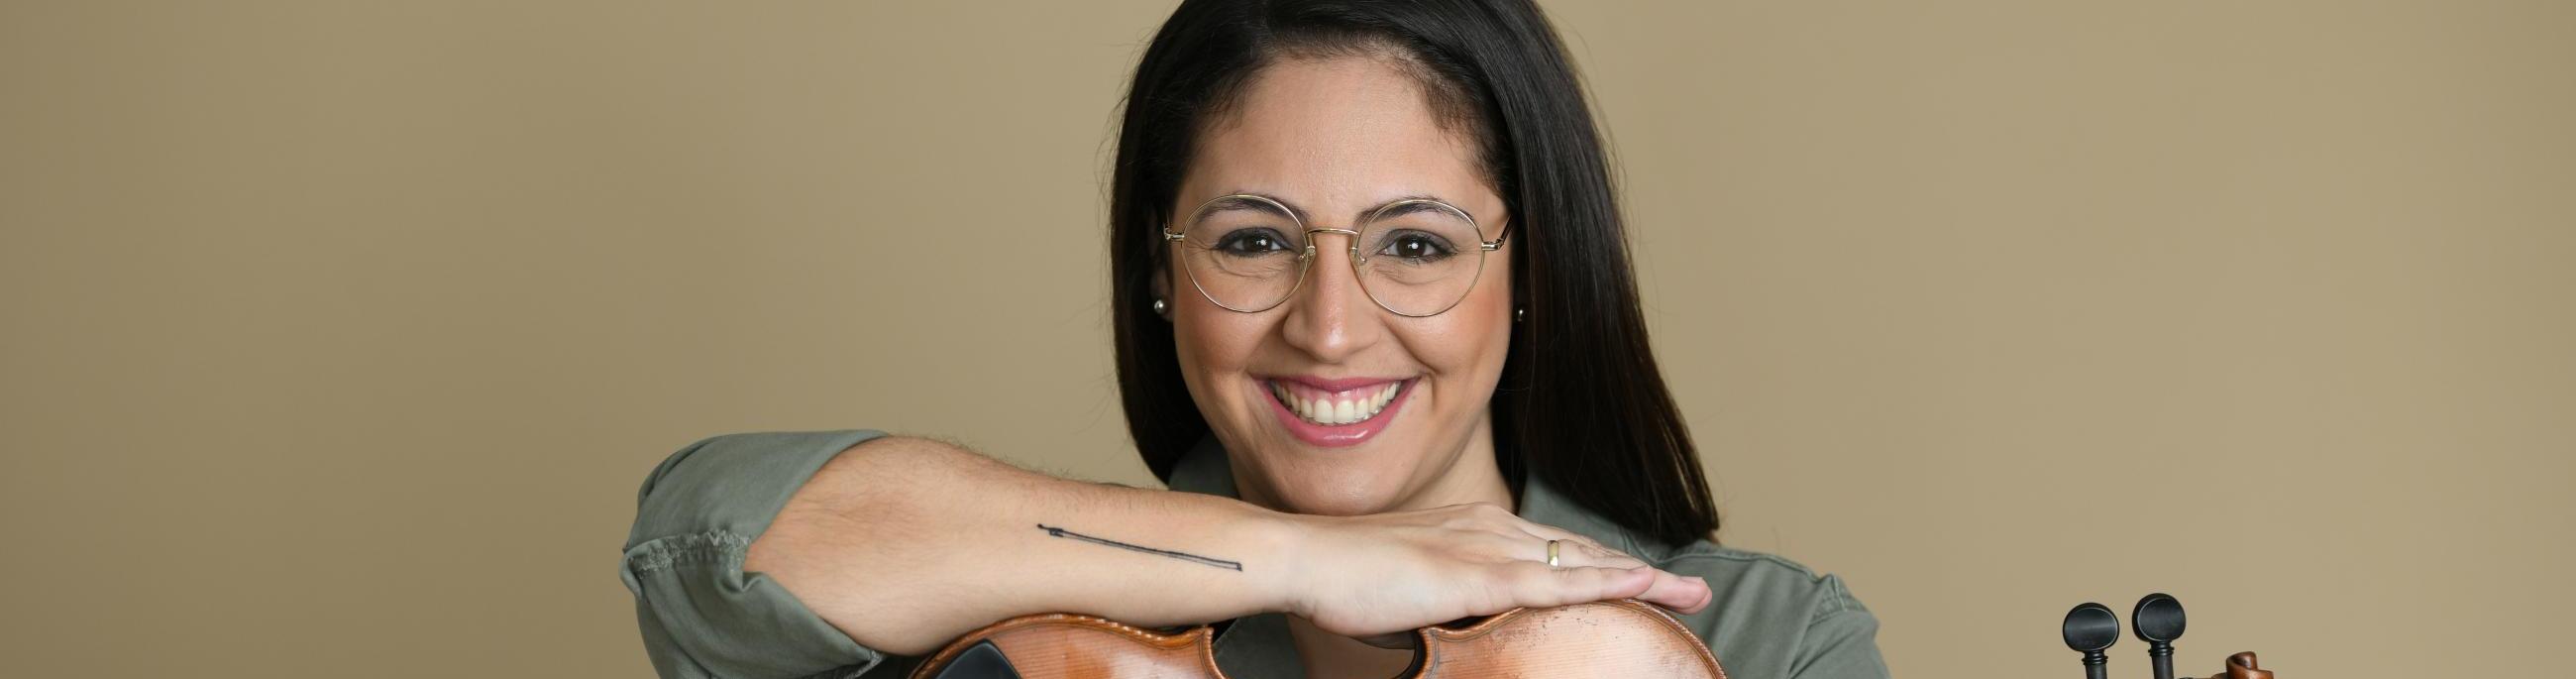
1551 553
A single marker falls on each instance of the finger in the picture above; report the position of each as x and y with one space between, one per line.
1536 585
1547 532
1555 532
1590 546
1680 593
1573 553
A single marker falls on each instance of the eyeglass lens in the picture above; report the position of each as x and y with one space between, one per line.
1415 258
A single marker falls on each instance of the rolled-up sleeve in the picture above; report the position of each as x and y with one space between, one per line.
1842 640
701 614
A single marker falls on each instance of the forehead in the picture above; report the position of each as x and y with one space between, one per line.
1334 136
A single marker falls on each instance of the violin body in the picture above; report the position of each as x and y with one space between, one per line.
1622 638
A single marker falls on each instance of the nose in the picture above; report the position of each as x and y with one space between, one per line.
1331 318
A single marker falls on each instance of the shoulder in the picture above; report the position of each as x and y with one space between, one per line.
1758 574
1769 616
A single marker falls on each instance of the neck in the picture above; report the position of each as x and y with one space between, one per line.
1473 476
1326 654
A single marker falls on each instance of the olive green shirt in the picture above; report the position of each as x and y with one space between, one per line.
703 616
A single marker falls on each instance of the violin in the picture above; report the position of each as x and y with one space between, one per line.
2158 620
1618 638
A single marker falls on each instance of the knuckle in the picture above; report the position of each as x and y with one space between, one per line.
1537 576
1495 545
1500 590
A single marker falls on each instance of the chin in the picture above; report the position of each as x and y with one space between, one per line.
1338 482
1341 494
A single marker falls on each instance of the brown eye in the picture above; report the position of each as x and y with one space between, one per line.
1417 247
1252 243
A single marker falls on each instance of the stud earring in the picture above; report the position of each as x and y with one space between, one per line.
1520 314
1161 308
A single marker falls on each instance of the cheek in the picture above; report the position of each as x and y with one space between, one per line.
1204 344
1485 317
1212 343
1468 343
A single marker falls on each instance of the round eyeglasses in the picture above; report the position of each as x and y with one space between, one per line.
1415 257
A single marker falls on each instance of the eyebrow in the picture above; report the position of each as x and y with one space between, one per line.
1357 217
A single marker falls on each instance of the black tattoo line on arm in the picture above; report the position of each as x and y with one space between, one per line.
1052 531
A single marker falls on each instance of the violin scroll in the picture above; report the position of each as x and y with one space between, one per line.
2241 666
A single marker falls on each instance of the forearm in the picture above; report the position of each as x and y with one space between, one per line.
905 543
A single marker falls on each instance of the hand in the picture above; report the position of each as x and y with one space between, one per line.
1380 574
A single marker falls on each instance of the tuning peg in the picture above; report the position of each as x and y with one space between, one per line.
2089 629
2158 621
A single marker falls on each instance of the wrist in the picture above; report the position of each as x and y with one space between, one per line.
1279 542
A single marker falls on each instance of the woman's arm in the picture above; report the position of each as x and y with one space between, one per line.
906 543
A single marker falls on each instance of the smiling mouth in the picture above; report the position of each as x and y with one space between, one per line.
1334 409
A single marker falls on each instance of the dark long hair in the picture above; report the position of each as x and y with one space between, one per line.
1581 403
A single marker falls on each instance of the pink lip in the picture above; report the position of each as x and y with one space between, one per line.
1342 436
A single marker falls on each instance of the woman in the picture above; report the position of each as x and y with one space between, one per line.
1376 329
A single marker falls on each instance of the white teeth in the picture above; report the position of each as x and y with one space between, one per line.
1332 413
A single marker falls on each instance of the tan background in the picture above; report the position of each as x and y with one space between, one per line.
337 337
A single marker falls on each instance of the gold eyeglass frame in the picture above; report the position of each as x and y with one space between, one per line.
1306 258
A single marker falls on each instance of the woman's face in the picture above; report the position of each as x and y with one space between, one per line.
1335 139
